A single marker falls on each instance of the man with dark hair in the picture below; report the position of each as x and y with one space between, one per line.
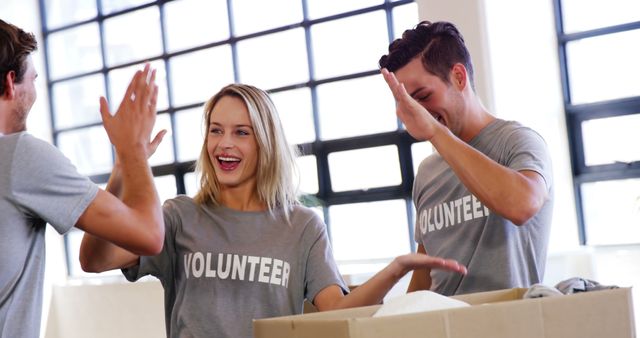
38 185
485 197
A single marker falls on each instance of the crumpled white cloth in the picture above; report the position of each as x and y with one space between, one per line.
418 301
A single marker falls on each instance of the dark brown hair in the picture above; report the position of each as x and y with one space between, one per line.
15 46
439 44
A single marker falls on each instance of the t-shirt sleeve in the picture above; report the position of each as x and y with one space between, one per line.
529 152
322 270
159 265
45 184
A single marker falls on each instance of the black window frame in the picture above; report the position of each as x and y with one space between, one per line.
319 148
576 114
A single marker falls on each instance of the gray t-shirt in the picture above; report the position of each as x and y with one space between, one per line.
38 185
222 268
453 223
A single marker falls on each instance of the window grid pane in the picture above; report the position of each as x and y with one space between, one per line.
360 39
608 140
183 18
588 73
356 107
602 113
76 102
580 15
365 168
83 57
124 44
300 100
369 231
612 211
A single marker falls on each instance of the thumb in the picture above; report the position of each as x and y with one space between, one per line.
104 109
158 138
156 141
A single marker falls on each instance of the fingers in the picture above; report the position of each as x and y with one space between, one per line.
432 262
397 89
154 99
450 264
130 93
392 82
147 87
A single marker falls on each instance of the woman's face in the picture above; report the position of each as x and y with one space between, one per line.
232 145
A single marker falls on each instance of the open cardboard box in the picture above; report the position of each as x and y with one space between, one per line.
494 314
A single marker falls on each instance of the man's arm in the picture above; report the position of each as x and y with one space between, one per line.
515 195
135 223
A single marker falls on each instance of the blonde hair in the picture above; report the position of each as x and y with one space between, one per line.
276 158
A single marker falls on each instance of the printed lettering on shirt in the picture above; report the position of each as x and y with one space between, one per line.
451 213
237 267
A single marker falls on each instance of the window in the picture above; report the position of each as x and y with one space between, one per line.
598 56
318 59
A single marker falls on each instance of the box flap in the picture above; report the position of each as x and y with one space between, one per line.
492 296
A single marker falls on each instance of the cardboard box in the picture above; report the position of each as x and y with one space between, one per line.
495 314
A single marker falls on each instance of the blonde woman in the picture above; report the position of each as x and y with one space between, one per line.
244 248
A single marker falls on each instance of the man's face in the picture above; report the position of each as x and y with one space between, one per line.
25 92
444 101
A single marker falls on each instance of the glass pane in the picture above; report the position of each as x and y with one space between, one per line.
58 13
88 149
191 184
164 153
166 186
183 18
308 174
404 17
361 40
111 6
119 80
322 8
612 211
252 16
189 134
124 44
356 107
381 165
83 56
580 15
214 69
366 231
608 140
263 63
420 151
294 108
591 79
77 102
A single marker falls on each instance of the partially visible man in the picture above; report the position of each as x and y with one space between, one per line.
38 185
485 197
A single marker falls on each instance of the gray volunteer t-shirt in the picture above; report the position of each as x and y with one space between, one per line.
453 223
222 268
38 185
